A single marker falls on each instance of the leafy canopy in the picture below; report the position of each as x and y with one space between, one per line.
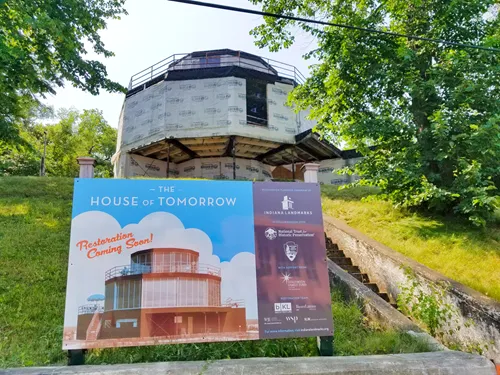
75 134
430 110
43 43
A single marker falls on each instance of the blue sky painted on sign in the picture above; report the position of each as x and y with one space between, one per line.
230 227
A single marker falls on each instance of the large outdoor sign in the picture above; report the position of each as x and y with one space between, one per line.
158 262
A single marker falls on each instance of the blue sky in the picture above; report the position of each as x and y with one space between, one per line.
156 29
229 227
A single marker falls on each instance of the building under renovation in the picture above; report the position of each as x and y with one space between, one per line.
220 114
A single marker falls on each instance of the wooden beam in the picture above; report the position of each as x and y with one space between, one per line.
163 155
256 142
208 147
202 141
152 149
186 149
254 149
308 151
327 147
293 152
181 159
209 152
273 152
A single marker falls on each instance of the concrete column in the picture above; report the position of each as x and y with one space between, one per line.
86 166
310 172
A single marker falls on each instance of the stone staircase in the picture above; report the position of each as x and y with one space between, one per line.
338 257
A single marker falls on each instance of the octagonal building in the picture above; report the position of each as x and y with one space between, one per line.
219 114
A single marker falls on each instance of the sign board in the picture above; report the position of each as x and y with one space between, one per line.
159 262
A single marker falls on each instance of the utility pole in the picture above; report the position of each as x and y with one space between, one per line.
42 162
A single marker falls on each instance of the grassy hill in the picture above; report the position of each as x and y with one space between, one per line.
448 245
34 238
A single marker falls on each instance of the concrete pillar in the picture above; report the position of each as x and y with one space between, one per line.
86 166
310 172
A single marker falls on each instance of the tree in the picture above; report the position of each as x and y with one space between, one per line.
80 134
431 111
18 153
76 134
43 43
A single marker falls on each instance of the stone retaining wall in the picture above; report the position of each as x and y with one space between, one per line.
386 268
375 308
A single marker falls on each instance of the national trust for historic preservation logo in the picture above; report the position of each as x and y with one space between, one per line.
271 233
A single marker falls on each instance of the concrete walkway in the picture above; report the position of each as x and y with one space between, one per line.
442 363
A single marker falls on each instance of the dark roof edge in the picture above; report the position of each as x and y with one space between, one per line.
215 72
344 154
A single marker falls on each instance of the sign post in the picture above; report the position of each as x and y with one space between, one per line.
164 262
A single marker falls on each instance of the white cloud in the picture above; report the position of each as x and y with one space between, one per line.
86 276
239 281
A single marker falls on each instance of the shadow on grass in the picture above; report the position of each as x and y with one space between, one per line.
425 225
453 229
36 187
351 194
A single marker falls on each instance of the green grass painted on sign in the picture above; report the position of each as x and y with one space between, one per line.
34 238
448 245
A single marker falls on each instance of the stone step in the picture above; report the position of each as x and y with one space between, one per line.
339 258
385 297
363 277
350 269
342 261
336 254
332 247
373 287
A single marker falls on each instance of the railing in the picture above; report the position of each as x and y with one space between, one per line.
162 267
180 62
234 303
90 309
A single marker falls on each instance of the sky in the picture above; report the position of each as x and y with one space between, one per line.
156 29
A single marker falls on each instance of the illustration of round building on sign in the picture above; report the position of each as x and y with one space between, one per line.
164 293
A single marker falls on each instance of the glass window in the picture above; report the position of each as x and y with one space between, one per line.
110 296
214 293
256 102
127 294
180 292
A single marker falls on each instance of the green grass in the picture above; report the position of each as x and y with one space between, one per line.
34 238
353 336
448 245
